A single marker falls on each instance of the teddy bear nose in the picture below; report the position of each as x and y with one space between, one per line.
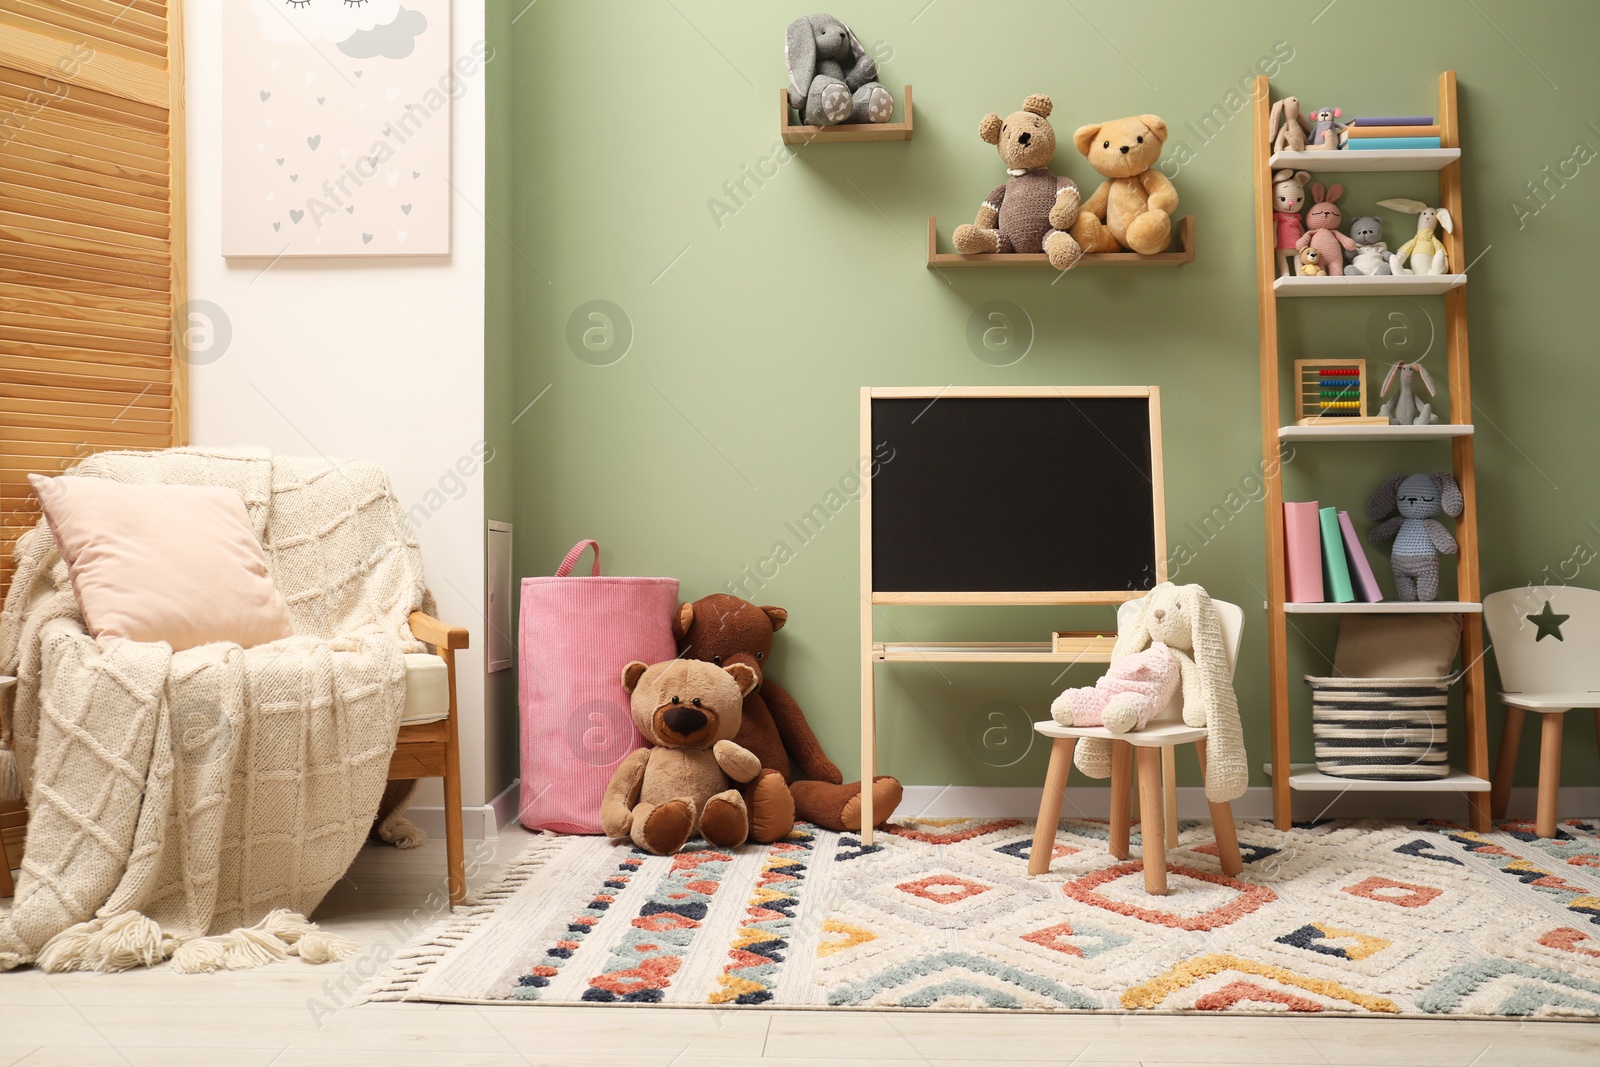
1124 149
1159 613
1024 138
684 721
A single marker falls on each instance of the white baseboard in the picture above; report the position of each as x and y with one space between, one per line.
1094 802
478 821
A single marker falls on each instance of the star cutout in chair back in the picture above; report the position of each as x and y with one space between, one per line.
1548 622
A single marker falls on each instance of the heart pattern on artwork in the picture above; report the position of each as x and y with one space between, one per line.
295 215
265 96
314 140
405 209
366 238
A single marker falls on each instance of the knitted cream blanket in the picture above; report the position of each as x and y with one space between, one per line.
178 795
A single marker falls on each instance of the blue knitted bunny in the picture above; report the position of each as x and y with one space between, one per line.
1418 537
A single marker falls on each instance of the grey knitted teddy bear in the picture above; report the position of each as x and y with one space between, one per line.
1418 537
832 79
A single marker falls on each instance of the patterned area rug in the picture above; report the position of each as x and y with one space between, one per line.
1368 918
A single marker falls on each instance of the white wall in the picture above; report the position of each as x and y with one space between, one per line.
378 359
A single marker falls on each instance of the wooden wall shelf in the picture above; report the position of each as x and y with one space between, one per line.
847 133
1351 161
1182 252
1361 285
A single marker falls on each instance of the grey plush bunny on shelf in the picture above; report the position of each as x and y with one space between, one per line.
832 79
1418 537
1403 409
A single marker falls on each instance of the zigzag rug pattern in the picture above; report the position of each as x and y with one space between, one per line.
1355 918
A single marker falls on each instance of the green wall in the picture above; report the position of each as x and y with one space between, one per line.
752 322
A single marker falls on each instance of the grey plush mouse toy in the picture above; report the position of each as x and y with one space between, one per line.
832 79
1418 537
1370 255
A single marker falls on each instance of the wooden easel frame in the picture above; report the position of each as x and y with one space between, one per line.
981 652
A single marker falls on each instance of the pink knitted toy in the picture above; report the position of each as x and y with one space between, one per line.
1136 687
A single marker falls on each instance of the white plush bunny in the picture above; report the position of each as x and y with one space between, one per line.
1424 253
1184 619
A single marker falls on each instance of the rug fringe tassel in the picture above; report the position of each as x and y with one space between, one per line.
409 966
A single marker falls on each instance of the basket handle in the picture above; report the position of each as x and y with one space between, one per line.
572 558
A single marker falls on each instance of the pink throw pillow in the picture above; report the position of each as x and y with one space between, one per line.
173 563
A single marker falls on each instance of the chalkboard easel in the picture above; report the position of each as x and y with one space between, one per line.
1003 496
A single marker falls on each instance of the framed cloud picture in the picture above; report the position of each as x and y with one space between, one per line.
336 127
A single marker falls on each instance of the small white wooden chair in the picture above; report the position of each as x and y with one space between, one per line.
1155 746
1547 642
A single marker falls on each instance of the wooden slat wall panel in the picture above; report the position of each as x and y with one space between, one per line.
91 238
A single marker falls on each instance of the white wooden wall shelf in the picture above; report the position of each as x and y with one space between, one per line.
845 133
1361 285
1386 607
1350 161
1439 431
1305 776
1182 252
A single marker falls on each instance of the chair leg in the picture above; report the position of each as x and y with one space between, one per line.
1549 773
1227 835
455 864
1169 792
1121 797
1152 826
1505 765
1055 791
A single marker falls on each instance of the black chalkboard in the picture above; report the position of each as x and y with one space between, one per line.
1013 494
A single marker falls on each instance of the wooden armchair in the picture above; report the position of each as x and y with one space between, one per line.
433 749
430 749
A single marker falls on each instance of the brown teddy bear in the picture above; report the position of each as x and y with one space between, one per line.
1034 209
660 796
729 632
1133 207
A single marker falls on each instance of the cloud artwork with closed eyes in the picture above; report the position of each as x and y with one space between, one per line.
368 29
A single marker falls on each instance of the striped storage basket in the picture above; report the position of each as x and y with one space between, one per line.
1383 729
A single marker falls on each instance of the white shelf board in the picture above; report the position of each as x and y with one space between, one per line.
1361 285
1367 159
1332 431
1306 778
1387 607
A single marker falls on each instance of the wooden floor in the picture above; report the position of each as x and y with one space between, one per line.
292 1015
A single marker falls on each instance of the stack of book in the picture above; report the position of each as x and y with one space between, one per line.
1324 556
1406 131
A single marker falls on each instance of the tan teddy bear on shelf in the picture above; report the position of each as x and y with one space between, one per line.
1034 209
660 796
1133 207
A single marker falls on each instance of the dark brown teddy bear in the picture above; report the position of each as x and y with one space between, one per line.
726 630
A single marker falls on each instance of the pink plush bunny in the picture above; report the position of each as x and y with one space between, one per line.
1322 228
1136 687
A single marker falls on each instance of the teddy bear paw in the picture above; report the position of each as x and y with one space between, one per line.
974 240
1062 251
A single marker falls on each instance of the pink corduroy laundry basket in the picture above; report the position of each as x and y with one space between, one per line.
577 634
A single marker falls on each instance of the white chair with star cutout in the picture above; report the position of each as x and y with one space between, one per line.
1154 746
1546 640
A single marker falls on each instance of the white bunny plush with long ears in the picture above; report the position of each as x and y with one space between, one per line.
1183 618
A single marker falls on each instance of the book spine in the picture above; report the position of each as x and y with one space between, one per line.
1395 131
1375 144
1336 568
1301 552
1366 582
1403 120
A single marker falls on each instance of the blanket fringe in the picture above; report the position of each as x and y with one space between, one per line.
119 943
281 934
